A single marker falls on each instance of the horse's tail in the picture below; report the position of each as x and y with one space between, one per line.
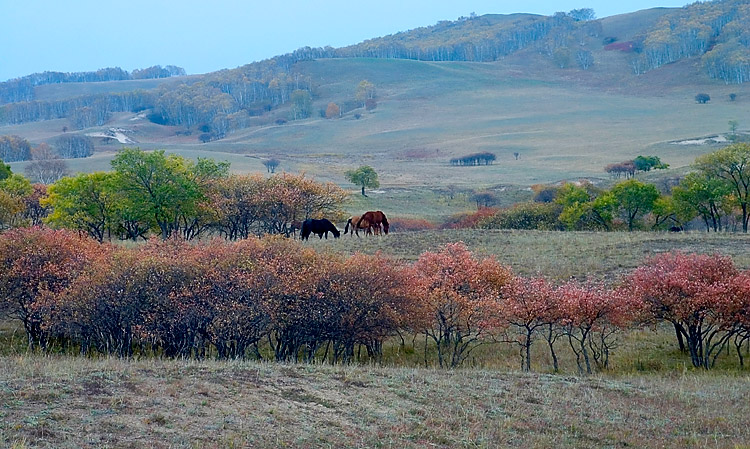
348 223
304 233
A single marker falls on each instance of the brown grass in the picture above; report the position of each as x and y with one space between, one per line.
81 403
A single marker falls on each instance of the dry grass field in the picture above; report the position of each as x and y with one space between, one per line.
68 402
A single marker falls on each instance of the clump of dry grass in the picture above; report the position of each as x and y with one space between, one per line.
67 402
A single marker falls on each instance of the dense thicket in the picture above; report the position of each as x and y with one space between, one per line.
22 89
14 148
717 31
273 298
154 193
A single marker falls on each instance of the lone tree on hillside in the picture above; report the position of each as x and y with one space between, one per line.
702 98
364 176
271 164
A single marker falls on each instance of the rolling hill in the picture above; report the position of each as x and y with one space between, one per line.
491 83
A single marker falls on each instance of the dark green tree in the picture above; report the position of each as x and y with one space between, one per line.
168 188
4 170
732 165
634 199
364 176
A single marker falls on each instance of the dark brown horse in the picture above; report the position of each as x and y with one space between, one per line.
376 219
352 222
319 227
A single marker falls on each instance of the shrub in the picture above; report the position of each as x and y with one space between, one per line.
530 215
469 220
410 224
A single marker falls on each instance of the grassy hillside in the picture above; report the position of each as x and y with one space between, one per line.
430 112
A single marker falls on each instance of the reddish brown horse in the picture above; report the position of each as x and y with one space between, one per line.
376 220
352 221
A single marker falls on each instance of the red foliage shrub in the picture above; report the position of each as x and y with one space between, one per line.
469 220
410 224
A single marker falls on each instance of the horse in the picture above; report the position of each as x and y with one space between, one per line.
376 219
319 227
294 226
352 221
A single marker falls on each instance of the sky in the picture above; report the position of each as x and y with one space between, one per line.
208 35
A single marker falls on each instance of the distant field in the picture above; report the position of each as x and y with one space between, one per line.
556 255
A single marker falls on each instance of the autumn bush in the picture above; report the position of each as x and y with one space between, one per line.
528 215
469 220
410 224
274 298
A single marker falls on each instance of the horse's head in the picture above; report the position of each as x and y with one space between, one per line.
336 232
385 223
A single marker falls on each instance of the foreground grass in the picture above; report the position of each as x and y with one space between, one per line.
69 402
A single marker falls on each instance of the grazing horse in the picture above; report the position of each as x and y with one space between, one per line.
352 221
376 219
319 227
294 226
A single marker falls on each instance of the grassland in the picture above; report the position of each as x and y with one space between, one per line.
63 402
565 124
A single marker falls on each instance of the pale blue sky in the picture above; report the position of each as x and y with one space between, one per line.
208 35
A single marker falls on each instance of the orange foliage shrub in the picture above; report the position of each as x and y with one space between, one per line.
410 224
470 220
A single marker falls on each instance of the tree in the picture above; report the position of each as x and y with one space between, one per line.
85 202
705 196
582 14
365 90
14 148
4 170
646 163
301 104
271 164
14 190
484 198
364 176
168 188
591 315
46 167
692 292
72 146
585 59
528 306
35 266
634 199
732 165
702 98
333 111
460 300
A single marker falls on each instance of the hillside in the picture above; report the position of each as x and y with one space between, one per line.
551 89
